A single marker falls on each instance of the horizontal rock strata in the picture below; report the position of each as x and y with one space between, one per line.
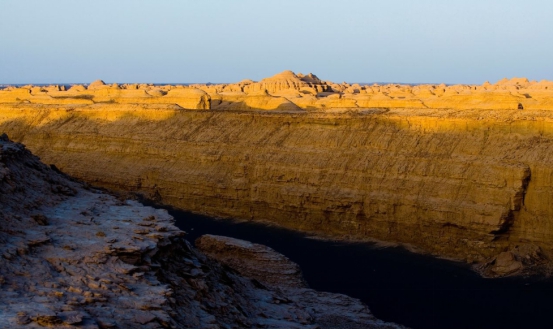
461 171
468 184
253 260
274 270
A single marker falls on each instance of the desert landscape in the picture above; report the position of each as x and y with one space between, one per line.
457 171
276 164
396 163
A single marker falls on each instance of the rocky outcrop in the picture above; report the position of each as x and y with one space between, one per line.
100 93
97 84
287 80
272 269
253 260
76 257
189 98
253 101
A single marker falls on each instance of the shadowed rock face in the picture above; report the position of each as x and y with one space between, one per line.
272 269
76 257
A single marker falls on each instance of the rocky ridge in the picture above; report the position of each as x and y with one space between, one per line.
272 269
75 257
253 260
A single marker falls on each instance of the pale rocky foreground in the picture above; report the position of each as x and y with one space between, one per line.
75 257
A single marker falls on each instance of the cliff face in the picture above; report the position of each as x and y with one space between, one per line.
470 185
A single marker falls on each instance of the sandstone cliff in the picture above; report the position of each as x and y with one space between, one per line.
458 171
466 184
74 257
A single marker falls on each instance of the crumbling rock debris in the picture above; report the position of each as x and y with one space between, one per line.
523 259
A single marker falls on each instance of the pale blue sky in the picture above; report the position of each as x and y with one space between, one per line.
435 41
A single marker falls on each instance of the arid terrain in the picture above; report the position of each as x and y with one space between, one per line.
459 171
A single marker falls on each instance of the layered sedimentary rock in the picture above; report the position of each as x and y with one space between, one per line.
472 184
467 184
75 257
253 260
100 93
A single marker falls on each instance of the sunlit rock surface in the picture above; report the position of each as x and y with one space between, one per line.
289 91
459 171
74 257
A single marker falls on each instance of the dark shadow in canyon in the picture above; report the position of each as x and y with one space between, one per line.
415 290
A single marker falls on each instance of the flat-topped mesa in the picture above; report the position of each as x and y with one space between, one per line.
258 100
100 92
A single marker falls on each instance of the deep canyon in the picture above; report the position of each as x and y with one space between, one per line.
461 172
76 257
451 183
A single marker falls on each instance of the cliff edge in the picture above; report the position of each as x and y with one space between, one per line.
75 257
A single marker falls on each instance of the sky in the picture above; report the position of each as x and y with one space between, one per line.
162 41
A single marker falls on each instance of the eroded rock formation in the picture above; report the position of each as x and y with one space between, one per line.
253 260
288 91
458 170
73 256
274 270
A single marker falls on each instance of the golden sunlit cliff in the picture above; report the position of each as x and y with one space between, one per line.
458 171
